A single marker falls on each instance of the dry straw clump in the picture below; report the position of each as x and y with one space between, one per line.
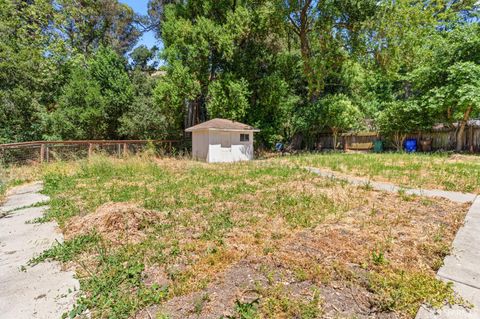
116 222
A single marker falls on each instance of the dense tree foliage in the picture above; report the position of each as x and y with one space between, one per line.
294 69
338 113
29 77
88 25
399 118
449 81
144 118
95 97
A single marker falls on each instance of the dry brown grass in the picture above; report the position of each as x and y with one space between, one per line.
452 172
339 251
413 235
219 235
402 230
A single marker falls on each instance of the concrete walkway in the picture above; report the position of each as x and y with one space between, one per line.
389 187
462 267
42 291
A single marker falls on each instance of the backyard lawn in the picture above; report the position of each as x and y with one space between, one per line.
453 172
172 238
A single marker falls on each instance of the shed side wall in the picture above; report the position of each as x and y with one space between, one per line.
200 145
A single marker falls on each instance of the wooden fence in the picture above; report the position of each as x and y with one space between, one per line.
442 140
47 151
326 140
446 139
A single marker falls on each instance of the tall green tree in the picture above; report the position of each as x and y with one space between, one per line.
146 119
226 59
400 118
90 24
96 96
449 80
81 112
201 44
339 114
463 95
144 58
31 67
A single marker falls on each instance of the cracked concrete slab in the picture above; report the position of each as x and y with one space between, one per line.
42 291
23 196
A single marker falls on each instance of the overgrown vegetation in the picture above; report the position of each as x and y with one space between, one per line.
398 290
432 171
250 239
68 250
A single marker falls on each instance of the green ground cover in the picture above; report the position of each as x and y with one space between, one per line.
435 171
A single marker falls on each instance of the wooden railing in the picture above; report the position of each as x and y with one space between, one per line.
46 151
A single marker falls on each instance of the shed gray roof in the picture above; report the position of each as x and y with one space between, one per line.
221 125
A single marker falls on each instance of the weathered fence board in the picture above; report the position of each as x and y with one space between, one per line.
442 140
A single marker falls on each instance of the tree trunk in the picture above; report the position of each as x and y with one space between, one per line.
302 29
305 51
398 140
461 129
196 111
335 138
296 142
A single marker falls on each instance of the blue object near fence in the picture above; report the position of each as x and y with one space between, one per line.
411 145
279 147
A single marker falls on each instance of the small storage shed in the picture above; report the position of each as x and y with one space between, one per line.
222 141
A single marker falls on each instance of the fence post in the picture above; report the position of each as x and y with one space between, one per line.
125 149
90 150
42 153
470 139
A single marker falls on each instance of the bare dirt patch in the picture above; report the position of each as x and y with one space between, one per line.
237 282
